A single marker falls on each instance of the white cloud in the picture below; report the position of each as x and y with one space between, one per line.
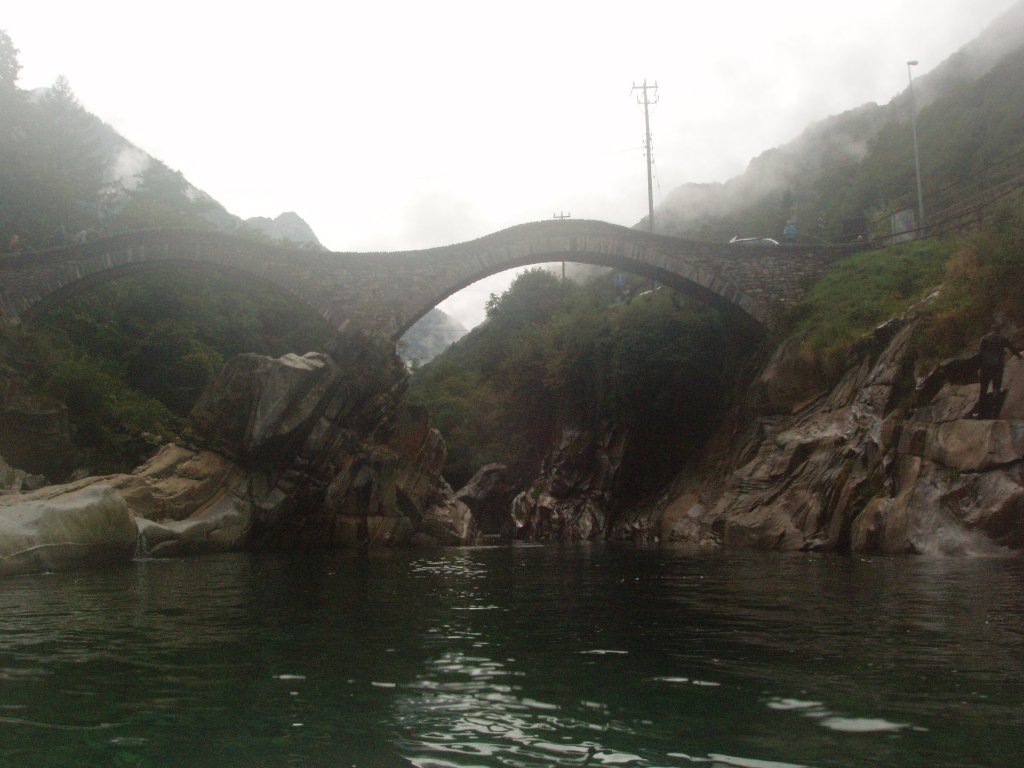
128 167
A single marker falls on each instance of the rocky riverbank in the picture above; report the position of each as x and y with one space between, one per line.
310 451
321 451
884 462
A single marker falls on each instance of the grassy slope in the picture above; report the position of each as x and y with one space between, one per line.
980 277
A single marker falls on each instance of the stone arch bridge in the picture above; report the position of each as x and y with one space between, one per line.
385 293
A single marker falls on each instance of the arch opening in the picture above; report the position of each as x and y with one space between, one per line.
726 303
598 387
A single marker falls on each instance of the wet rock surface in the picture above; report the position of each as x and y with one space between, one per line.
882 463
571 499
320 451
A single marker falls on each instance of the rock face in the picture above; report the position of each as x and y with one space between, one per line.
326 455
571 499
261 408
429 336
488 495
391 490
63 528
288 226
881 464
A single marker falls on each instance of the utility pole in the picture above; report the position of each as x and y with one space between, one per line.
917 158
562 216
647 101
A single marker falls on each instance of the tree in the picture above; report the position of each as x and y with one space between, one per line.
9 66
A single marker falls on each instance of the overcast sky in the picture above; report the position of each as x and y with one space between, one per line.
399 125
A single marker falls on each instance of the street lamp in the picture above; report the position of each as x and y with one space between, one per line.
917 159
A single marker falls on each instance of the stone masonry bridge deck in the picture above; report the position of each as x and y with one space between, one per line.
388 292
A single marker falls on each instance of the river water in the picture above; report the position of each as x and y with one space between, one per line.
524 656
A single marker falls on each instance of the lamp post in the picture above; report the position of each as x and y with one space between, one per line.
917 159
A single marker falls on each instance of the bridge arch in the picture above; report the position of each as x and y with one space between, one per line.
729 304
71 290
35 281
747 283
385 293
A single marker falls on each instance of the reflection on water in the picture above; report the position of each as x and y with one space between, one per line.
516 657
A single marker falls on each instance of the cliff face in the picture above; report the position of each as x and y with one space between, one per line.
880 464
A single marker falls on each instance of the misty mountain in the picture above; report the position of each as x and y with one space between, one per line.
431 335
65 173
860 163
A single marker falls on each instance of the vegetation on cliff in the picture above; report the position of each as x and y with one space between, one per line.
970 281
553 354
130 358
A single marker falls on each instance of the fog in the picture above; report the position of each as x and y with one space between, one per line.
399 125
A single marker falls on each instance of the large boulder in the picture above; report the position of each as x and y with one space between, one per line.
63 528
449 522
391 492
261 409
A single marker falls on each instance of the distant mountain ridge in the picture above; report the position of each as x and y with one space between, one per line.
289 227
860 163
431 335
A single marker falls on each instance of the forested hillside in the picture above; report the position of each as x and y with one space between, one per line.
859 165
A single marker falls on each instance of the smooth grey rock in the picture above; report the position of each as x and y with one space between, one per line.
488 494
975 445
221 527
883 464
65 529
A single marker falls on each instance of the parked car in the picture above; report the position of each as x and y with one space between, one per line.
758 241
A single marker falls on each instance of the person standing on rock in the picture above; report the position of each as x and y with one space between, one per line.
990 360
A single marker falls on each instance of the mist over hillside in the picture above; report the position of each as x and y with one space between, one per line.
431 335
860 163
66 175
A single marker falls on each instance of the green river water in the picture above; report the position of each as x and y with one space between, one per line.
516 656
